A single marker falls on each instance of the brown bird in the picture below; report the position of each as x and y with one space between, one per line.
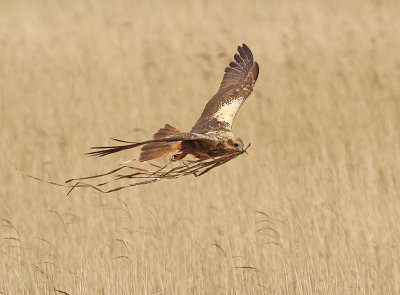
212 135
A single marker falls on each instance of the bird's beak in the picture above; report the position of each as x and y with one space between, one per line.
245 150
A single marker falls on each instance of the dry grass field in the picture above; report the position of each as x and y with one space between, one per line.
313 209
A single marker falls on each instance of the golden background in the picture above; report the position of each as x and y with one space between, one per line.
313 209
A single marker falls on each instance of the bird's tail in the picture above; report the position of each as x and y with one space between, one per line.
101 151
155 150
165 141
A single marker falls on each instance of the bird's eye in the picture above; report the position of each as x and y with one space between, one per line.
236 145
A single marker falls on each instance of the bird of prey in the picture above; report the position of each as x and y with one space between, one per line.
211 136
211 141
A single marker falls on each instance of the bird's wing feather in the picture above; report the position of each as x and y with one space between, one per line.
237 84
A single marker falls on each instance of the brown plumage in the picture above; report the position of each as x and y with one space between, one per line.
211 141
212 135
238 82
155 150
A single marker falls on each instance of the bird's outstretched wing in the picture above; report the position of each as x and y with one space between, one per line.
237 84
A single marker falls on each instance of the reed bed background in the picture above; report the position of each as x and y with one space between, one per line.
313 209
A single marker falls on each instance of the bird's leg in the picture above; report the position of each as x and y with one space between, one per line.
178 156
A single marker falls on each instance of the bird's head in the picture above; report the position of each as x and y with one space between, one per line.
235 143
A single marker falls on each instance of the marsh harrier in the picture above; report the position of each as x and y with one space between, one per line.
212 135
211 141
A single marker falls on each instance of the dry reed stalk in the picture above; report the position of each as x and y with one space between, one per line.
143 176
